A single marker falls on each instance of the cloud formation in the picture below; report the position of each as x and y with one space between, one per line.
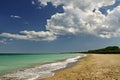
78 18
14 16
3 41
33 2
31 35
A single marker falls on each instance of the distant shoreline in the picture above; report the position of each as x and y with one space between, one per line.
101 52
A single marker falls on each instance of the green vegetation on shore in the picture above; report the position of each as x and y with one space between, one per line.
109 49
106 50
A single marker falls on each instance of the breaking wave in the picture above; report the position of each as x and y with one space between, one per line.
42 71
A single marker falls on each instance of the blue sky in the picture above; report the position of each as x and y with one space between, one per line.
40 26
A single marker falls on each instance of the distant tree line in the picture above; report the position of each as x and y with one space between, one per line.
109 49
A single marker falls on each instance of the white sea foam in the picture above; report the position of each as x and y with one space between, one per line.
42 71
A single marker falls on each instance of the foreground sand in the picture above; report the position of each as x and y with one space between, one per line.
93 67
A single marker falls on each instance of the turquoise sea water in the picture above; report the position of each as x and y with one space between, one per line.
10 63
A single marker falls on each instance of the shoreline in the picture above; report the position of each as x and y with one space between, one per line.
92 67
36 68
70 65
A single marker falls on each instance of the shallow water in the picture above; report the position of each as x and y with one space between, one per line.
41 71
9 63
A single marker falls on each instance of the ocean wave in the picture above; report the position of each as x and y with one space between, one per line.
42 71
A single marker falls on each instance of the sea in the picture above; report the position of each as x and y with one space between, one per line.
33 66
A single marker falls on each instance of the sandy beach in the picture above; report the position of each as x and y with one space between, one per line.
92 67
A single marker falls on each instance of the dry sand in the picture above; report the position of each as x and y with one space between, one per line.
92 67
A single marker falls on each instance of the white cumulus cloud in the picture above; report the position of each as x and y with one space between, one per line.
31 35
78 18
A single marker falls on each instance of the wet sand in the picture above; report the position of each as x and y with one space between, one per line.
92 67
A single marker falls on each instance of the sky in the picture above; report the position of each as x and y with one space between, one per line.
54 26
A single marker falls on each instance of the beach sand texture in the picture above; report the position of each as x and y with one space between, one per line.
92 67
